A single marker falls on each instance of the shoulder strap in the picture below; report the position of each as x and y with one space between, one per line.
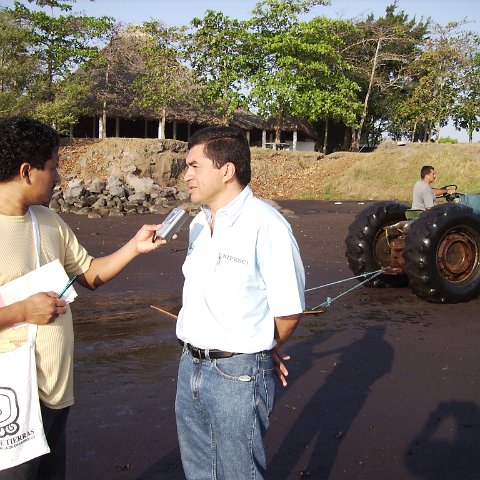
32 328
36 236
32 333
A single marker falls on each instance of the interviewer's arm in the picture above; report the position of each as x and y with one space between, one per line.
103 269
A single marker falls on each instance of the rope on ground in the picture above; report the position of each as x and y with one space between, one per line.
328 302
163 311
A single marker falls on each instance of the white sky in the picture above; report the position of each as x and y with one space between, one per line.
181 12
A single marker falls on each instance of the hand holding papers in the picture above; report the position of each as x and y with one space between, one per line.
49 277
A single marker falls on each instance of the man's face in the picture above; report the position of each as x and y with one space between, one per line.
205 182
431 177
44 181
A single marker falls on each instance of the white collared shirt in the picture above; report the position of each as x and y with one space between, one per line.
241 277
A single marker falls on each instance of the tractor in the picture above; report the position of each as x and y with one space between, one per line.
435 252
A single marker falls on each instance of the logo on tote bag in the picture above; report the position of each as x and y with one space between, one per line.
21 430
8 412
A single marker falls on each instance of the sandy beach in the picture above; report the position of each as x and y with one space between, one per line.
382 385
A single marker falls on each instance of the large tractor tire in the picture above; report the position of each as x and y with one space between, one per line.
367 249
442 254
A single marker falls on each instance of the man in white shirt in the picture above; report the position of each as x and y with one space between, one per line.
424 195
243 297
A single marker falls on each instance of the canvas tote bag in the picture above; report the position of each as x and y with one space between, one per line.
21 429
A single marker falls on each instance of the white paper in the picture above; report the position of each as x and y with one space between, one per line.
49 277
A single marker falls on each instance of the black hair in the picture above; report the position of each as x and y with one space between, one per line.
24 140
426 169
223 145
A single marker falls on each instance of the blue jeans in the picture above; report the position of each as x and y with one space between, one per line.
222 409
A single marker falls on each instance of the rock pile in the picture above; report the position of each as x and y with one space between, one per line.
124 176
132 195
118 197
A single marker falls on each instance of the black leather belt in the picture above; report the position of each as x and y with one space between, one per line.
202 354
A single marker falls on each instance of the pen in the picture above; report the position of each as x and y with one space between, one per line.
67 286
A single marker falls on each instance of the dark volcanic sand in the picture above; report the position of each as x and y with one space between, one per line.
382 385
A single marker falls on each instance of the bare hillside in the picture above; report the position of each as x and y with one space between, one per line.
387 173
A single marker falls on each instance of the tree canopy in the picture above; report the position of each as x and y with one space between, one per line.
391 75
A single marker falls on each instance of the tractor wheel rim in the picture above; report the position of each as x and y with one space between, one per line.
457 255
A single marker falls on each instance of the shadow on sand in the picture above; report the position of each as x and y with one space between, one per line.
310 448
326 418
448 446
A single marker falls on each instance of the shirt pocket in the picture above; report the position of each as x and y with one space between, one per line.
226 292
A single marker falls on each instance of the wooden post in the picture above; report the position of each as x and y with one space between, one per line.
100 128
161 129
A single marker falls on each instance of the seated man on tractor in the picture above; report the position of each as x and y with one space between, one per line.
424 195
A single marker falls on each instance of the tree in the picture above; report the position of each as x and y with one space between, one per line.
467 109
114 72
273 83
382 53
68 105
17 65
437 77
217 53
312 52
164 81
59 44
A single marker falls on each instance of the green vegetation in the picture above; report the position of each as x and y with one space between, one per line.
372 77
447 140
40 51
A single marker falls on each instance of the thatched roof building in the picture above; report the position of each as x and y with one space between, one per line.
114 112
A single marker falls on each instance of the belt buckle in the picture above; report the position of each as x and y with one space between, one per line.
196 352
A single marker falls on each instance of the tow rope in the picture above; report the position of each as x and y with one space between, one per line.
328 302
